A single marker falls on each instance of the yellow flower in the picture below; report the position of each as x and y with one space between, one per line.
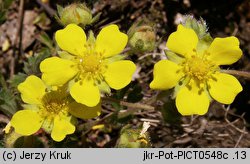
49 109
89 65
195 72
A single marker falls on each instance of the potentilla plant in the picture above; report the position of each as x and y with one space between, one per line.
49 108
194 69
72 83
91 66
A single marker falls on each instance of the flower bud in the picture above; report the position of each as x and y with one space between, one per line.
199 26
142 38
133 138
75 13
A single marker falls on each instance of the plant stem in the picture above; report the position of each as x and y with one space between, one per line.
134 107
130 105
238 73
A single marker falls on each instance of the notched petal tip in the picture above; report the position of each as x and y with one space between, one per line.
111 41
26 122
32 90
85 92
224 51
225 88
61 128
57 71
71 39
190 100
183 41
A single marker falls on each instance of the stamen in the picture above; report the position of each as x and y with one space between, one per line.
91 64
199 69
53 103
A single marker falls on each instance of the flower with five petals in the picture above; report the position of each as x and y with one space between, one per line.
89 66
195 71
50 109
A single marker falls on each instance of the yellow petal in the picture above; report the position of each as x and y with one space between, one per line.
224 88
83 111
224 51
111 41
191 100
57 71
71 39
166 75
119 74
61 128
183 41
26 122
85 92
32 90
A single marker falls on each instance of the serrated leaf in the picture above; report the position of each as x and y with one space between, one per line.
46 40
8 104
32 65
17 79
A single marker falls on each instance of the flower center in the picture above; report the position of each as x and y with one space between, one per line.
53 104
91 64
198 68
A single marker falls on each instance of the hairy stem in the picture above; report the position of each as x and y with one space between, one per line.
129 105
134 108
238 73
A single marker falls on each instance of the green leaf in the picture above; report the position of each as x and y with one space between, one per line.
46 40
32 65
4 5
136 94
168 109
2 17
28 142
7 3
8 104
170 113
96 18
174 57
17 79
59 10
2 81
121 93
